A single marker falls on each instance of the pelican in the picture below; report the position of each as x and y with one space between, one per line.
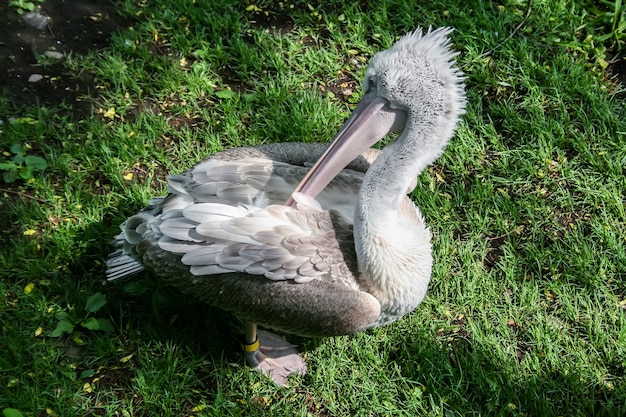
315 249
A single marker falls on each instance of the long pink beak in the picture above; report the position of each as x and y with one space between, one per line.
372 120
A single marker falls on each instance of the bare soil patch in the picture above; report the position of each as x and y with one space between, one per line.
34 47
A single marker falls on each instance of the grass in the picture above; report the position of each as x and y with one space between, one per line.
526 313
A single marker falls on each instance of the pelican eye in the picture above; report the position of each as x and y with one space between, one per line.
370 84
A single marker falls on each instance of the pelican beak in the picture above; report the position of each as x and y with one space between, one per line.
371 121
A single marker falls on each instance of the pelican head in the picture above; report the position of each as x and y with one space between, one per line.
413 84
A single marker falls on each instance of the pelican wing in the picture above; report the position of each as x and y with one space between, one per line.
226 216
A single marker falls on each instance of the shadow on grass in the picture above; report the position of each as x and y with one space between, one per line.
465 375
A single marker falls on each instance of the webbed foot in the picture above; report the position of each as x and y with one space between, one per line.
275 357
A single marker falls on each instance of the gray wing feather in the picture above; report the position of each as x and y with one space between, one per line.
204 270
176 246
199 212
180 228
204 255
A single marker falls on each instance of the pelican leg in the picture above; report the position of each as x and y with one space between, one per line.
251 345
272 355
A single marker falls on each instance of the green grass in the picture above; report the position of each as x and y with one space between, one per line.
526 313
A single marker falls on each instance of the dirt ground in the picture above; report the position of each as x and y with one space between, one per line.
64 27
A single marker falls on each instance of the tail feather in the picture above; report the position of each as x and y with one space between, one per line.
120 265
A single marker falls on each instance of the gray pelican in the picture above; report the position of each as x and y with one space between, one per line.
327 250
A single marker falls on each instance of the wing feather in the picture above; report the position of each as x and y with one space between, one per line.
204 255
176 246
180 228
201 212
269 237
220 230
203 270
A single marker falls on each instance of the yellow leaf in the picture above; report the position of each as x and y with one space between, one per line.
87 387
126 358
38 331
13 382
198 408
29 232
128 176
29 288
110 114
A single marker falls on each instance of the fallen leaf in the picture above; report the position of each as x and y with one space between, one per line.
126 358
29 288
110 114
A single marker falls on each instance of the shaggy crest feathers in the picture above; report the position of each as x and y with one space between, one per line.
434 48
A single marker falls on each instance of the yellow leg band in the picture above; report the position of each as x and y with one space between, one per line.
251 347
